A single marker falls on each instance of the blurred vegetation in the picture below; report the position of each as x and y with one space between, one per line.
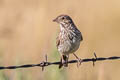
53 72
27 33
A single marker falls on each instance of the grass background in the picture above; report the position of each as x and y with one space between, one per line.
27 33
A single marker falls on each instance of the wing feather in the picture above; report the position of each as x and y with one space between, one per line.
57 42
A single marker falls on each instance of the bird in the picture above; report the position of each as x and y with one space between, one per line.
68 39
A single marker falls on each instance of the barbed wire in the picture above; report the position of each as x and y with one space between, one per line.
46 63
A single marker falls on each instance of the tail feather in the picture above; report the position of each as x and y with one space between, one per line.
64 61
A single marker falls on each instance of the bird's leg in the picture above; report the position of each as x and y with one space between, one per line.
65 60
78 59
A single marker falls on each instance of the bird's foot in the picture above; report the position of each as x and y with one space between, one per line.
79 61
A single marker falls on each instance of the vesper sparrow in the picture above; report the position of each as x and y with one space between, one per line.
68 40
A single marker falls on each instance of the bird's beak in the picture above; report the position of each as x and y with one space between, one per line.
55 20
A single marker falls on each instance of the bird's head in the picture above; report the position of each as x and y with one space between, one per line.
63 19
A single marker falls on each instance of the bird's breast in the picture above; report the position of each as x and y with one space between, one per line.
68 42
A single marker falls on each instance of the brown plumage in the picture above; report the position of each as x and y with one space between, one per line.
69 38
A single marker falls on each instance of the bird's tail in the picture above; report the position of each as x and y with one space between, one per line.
64 61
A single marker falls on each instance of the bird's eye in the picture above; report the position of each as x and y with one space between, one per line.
63 18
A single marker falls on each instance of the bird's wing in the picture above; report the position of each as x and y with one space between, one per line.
81 38
57 41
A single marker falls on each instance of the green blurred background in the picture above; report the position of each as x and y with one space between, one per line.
27 33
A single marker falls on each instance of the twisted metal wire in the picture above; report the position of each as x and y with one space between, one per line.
46 63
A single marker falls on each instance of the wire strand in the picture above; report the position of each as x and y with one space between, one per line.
46 63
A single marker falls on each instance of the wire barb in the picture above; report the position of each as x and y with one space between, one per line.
44 63
94 59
